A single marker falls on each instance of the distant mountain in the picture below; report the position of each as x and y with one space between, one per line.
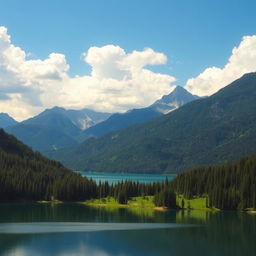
6 120
40 137
83 118
55 128
178 97
55 118
49 130
207 131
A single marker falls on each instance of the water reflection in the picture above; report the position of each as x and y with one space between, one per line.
220 233
64 227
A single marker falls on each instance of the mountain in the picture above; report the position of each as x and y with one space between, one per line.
6 120
56 119
83 118
46 131
207 131
27 175
178 97
55 128
41 138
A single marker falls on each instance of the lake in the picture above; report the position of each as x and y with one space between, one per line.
113 178
75 229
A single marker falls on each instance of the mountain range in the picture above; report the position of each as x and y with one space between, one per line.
177 98
6 120
57 127
207 131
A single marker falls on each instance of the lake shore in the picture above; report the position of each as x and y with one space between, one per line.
147 202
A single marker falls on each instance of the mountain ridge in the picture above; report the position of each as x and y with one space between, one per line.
6 120
53 128
178 97
207 131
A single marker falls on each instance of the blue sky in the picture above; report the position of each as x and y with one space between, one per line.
193 35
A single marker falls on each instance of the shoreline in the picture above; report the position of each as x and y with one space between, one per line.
145 203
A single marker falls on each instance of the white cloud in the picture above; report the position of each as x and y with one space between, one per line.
105 62
138 60
242 60
118 81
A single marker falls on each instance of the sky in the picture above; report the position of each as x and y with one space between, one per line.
112 55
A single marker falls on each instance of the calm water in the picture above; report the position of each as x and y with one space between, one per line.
113 178
74 229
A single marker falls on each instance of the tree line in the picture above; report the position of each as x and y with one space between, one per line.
22 178
27 175
229 186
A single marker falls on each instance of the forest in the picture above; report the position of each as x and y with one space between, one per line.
230 186
26 175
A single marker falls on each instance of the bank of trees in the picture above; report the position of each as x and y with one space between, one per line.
27 175
163 193
230 186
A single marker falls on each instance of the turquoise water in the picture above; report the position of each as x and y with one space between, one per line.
114 178
75 229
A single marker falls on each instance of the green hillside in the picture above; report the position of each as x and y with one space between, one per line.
27 175
208 131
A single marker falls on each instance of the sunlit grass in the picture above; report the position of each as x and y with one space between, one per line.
147 202
135 202
196 203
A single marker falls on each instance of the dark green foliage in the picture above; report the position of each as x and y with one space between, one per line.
182 203
166 197
122 197
204 132
230 186
26 175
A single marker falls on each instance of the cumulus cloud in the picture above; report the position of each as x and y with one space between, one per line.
105 62
22 81
118 80
242 60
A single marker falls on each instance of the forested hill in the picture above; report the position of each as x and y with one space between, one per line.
204 132
26 175
231 186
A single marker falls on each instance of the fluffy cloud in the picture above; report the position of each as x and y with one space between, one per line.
118 80
22 82
242 60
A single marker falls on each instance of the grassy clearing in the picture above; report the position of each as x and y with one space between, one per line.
135 202
197 203
146 202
